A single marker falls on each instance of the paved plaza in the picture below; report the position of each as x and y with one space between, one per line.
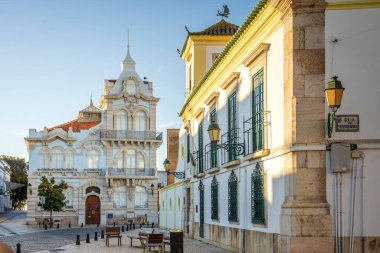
13 230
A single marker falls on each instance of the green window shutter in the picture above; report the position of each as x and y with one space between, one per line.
214 148
258 111
214 199
232 126
201 208
200 148
257 196
233 197
188 147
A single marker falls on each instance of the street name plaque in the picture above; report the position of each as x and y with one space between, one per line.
347 123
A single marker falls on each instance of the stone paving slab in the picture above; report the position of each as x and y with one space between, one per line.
190 246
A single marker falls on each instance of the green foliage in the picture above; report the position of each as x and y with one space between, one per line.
53 192
19 174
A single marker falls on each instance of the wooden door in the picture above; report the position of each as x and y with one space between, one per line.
92 210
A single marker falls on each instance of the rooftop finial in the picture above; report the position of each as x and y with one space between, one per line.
225 12
91 104
128 41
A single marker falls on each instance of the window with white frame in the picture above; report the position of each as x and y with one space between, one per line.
140 121
69 161
93 159
141 197
121 120
69 198
57 160
131 87
131 159
120 199
140 161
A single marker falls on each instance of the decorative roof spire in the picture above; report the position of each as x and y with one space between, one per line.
91 103
128 63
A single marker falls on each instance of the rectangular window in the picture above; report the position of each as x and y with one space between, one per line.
188 147
257 196
232 126
214 149
200 148
214 199
120 200
233 198
258 111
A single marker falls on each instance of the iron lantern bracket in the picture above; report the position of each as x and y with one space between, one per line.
178 175
235 148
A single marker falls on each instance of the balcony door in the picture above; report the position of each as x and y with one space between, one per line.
121 120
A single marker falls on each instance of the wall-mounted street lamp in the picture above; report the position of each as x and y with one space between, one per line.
214 133
152 188
179 175
334 93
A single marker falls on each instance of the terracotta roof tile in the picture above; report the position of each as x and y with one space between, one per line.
220 28
75 125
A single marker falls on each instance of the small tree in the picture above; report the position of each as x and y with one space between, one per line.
55 199
19 174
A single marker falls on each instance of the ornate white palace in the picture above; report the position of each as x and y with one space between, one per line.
107 156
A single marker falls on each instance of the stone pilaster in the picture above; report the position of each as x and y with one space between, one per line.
305 218
152 116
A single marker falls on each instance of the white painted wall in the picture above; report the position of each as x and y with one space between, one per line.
171 207
272 165
355 60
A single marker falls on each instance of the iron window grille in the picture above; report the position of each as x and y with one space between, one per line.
201 208
257 196
214 199
233 198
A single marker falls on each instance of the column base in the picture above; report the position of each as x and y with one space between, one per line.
290 244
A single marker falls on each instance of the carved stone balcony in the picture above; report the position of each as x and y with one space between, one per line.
126 135
131 172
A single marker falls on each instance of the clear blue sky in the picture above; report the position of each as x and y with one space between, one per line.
55 53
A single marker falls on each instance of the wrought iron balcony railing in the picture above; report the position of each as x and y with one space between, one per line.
199 161
131 172
230 141
131 135
256 131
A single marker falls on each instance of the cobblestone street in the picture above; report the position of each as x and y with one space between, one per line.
34 239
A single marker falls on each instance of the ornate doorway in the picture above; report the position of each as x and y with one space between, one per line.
92 210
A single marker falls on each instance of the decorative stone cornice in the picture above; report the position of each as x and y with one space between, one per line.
230 79
263 48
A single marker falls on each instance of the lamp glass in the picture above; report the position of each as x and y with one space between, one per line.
214 132
166 165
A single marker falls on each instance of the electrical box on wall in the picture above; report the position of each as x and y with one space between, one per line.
340 157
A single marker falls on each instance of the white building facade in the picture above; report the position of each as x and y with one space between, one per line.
280 193
5 179
107 156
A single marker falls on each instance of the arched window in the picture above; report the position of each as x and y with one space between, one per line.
257 196
130 159
140 161
140 121
141 197
45 159
121 122
57 159
233 197
93 159
131 87
69 160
